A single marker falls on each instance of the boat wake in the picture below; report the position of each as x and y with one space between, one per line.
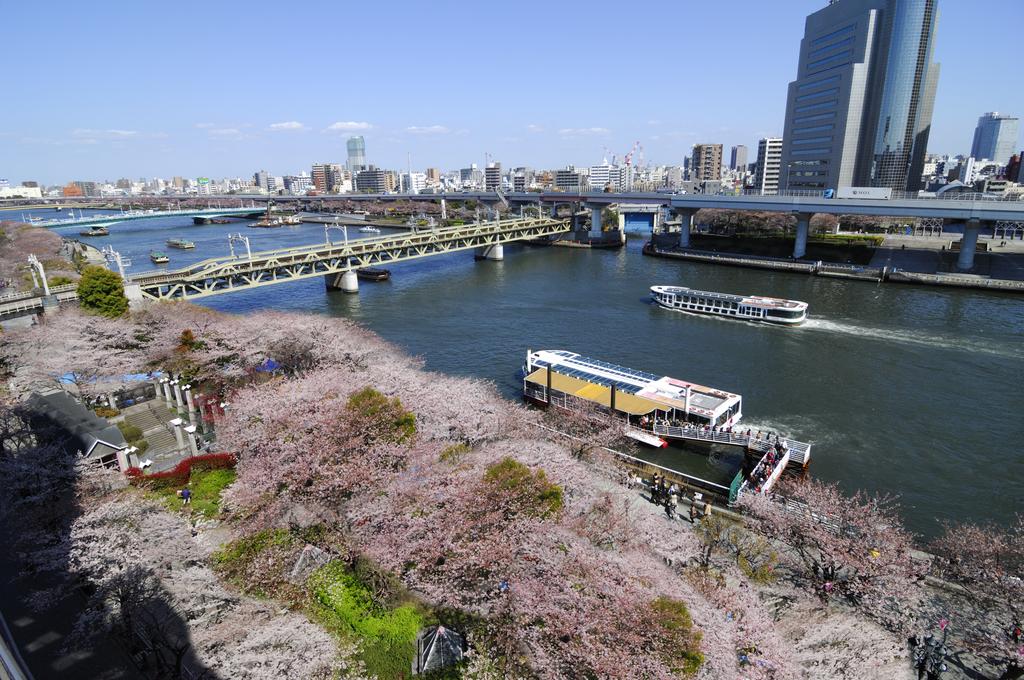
909 337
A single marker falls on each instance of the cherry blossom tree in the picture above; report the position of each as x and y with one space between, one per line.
988 562
848 547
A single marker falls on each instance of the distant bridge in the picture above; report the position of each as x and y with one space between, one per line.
227 274
104 220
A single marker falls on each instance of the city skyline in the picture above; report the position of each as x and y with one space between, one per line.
201 115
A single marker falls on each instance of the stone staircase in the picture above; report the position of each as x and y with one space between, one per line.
152 419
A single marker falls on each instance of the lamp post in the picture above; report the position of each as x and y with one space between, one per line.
241 239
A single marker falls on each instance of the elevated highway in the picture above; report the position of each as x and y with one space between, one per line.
105 220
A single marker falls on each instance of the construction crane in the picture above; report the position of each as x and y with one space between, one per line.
629 156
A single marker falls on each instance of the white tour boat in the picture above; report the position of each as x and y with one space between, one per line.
747 307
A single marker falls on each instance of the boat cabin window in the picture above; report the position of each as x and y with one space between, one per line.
785 313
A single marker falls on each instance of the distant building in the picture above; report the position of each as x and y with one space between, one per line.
433 177
373 181
1012 168
298 185
5 183
356 154
859 111
203 186
968 171
21 192
570 180
327 177
492 177
413 183
607 176
707 162
72 190
738 158
766 172
87 188
995 137
471 177
261 178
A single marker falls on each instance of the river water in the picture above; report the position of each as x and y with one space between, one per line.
913 391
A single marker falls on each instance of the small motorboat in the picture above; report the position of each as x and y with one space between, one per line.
369 230
95 231
373 274
180 243
158 258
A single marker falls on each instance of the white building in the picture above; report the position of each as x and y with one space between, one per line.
416 185
769 160
607 175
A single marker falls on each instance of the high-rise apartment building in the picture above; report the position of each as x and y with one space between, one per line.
570 180
859 112
261 178
995 138
738 158
356 154
492 177
374 181
433 177
327 177
766 172
707 162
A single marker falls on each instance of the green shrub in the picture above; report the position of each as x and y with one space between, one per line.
532 491
680 648
130 432
345 606
235 557
140 444
106 412
389 420
454 453
101 291
59 280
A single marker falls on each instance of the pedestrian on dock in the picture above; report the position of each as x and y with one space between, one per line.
672 505
707 508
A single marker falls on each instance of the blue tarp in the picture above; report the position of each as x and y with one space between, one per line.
268 366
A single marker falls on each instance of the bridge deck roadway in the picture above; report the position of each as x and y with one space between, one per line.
224 275
97 220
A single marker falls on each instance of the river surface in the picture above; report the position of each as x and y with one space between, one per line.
913 391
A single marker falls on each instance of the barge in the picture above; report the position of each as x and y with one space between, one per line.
158 258
180 243
745 307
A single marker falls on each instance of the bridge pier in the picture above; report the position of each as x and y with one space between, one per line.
444 210
968 246
803 227
494 252
346 282
685 226
595 220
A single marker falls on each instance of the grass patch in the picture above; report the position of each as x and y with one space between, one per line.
453 453
530 491
345 606
681 649
206 486
849 239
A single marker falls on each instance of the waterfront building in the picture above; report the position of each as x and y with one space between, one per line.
995 137
707 162
607 176
261 178
433 177
203 186
87 188
859 111
356 154
769 160
492 177
738 158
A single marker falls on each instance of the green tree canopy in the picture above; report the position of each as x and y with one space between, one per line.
102 291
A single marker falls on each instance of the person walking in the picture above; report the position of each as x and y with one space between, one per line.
693 506
186 496
672 506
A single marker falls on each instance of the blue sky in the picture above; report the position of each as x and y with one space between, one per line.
103 90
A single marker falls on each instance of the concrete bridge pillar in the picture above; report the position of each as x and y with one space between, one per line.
444 210
803 227
685 225
554 210
968 245
495 252
595 220
346 282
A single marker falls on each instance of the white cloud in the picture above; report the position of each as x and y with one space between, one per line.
204 125
105 134
288 125
578 132
343 125
535 128
427 129
225 132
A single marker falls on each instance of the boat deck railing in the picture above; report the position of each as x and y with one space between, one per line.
757 441
799 452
